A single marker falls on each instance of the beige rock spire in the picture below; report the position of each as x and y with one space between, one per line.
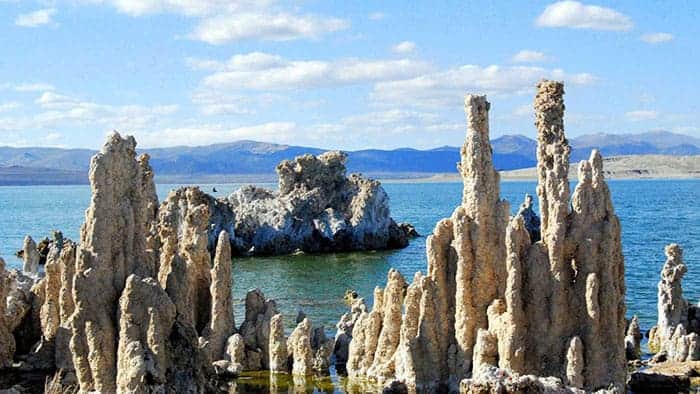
110 249
674 330
577 267
185 262
221 326
389 337
30 256
278 345
146 317
7 340
553 308
478 234
299 347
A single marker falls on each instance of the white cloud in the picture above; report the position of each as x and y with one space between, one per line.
36 18
211 134
404 47
528 56
265 26
523 111
60 109
657 38
6 107
641 115
261 71
376 16
576 15
33 87
449 86
222 21
184 7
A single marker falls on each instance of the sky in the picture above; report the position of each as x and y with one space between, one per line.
338 74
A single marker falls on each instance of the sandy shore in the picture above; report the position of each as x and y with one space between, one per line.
616 167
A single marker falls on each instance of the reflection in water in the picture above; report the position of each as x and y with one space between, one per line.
275 383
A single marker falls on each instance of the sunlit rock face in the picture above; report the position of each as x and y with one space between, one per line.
678 325
317 208
494 299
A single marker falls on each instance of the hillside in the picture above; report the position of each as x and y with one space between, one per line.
250 160
632 167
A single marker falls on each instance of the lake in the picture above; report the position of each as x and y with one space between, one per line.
653 214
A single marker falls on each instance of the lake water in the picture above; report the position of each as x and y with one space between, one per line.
653 214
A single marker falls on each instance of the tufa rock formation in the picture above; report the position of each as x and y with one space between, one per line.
143 302
7 341
678 325
633 340
494 299
30 256
316 209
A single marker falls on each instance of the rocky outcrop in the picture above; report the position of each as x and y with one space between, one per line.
577 266
146 318
345 328
316 209
530 219
299 348
30 256
112 246
633 339
143 303
491 291
678 325
221 324
255 330
7 341
278 346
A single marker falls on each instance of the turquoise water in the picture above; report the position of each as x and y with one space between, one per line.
653 214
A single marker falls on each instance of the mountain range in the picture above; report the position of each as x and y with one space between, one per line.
36 165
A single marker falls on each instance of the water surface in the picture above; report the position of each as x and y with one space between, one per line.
653 214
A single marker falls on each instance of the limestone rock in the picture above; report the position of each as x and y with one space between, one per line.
485 351
316 209
278 346
530 218
30 256
221 326
299 347
577 265
112 246
673 309
322 348
633 339
344 334
235 352
575 363
255 329
390 334
488 282
7 341
183 224
146 319
493 381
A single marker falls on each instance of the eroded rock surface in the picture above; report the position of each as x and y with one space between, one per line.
677 328
490 291
317 209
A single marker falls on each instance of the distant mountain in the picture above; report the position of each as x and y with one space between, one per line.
239 158
650 143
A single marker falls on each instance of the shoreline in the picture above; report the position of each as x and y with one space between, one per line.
506 176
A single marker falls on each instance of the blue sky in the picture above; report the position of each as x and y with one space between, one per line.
337 74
